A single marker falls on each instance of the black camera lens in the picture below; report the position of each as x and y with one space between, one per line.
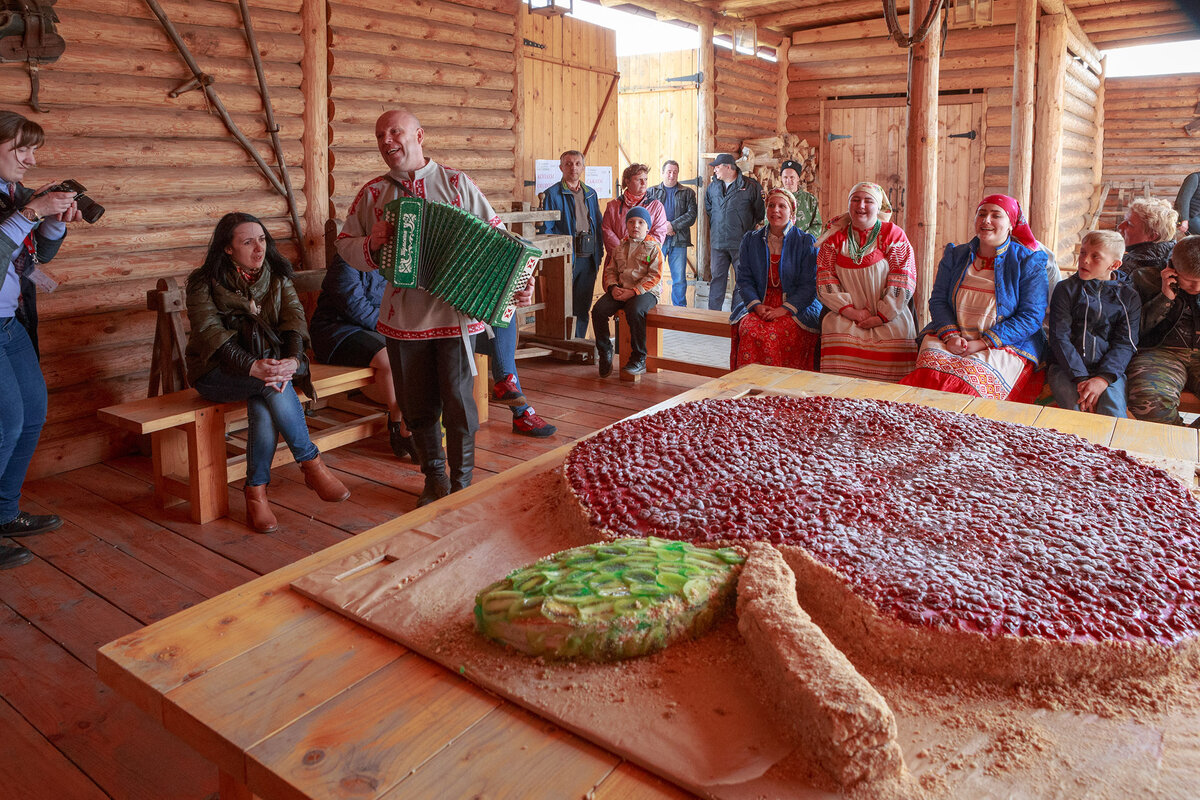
89 208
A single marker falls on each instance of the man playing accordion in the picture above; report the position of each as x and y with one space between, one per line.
428 340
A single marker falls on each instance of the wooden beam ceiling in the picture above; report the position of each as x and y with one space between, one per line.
1111 23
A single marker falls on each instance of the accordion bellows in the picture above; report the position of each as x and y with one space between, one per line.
457 257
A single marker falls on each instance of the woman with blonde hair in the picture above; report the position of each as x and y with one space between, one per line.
1149 229
866 276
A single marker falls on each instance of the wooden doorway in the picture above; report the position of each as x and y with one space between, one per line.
657 112
865 140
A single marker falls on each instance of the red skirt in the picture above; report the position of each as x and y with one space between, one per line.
778 343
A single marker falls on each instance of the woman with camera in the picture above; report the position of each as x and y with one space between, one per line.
32 227
247 343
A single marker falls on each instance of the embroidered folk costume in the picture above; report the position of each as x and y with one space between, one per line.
1001 300
875 270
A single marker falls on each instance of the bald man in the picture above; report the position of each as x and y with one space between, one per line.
428 340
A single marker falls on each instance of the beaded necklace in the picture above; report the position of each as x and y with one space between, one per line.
859 252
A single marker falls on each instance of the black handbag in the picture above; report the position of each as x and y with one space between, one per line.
585 243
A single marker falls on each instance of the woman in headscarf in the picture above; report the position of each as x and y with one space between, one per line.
777 315
987 308
866 275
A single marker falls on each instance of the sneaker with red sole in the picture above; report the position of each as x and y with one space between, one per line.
507 393
531 424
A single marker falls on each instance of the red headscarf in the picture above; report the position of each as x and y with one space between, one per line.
1020 226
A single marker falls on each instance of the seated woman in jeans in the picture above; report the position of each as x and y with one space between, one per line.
247 343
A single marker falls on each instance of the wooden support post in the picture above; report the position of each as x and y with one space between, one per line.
518 107
1020 154
920 220
781 99
1048 130
707 115
315 138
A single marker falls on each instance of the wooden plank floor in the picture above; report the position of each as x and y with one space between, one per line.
119 563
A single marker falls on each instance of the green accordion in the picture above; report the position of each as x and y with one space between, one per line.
457 257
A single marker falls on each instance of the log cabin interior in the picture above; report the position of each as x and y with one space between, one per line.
1008 96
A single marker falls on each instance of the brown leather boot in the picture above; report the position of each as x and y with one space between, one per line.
318 478
259 515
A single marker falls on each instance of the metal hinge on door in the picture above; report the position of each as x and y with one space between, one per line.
532 43
833 137
968 135
696 79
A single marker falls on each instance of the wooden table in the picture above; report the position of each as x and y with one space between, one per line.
290 700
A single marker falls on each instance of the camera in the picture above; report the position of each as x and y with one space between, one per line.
89 208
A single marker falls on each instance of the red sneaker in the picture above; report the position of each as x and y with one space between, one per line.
531 424
506 392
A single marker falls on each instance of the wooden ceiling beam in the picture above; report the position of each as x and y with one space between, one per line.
812 16
696 15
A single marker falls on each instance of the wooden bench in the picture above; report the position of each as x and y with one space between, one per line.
674 318
193 459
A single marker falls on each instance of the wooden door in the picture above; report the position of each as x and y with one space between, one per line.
864 140
657 113
862 143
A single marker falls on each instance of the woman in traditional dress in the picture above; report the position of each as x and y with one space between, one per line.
987 307
247 343
866 276
778 315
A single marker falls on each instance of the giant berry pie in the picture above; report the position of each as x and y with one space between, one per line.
936 541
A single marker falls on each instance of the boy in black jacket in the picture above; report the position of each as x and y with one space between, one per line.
1094 319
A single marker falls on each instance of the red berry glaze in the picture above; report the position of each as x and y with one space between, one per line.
938 519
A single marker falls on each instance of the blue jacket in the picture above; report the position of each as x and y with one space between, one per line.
1094 326
1021 297
797 274
349 302
559 198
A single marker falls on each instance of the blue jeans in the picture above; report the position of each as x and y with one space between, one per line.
503 352
1066 394
583 283
677 261
268 413
22 412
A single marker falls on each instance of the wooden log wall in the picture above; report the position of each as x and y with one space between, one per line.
860 60
1146 152
657 116
452 64
568 74
164 168
747 91
1082 139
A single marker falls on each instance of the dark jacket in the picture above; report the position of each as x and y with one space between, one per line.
733 212
685 212
1021 297
1094 326
559 198
1187 203
1146 254
218 309
45 248
797 276
1159 315
349 302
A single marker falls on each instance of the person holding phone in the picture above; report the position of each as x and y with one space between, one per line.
1168 358
247 342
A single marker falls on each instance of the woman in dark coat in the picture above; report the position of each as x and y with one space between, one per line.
247 343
